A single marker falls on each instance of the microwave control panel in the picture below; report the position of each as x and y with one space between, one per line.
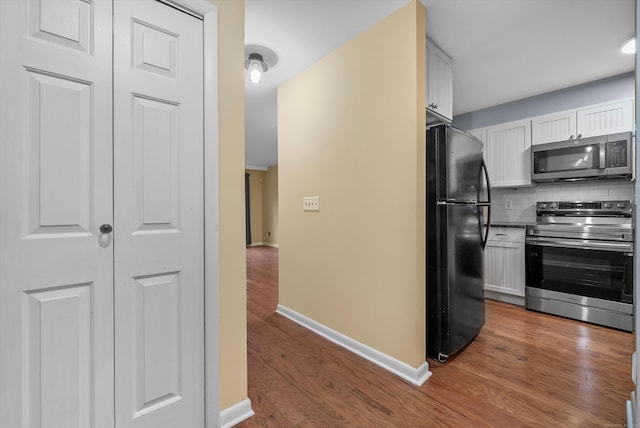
616 155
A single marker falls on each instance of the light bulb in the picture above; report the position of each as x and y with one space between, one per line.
256 73
629 47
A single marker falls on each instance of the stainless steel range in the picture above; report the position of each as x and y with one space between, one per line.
579 262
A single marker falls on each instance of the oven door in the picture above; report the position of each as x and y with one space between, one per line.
598 269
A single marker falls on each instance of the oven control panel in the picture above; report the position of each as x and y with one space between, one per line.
584 208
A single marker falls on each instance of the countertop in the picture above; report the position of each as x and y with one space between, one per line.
513 224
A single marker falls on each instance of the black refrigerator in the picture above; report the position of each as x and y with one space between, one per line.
458 218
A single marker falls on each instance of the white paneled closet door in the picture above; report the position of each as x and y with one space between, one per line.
56 283
59 351
159 246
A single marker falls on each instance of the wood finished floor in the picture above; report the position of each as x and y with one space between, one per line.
523 369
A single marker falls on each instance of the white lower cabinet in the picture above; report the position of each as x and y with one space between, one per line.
504 263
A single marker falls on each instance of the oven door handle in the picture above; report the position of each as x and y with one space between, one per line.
581 244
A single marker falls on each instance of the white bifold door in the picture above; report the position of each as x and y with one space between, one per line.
101 215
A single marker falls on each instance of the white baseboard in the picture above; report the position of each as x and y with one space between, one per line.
264 244
417 376
235 414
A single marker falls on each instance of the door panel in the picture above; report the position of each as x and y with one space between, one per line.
465 269
57 337
158 337
58 175
463 160
62 22
158 148
56 281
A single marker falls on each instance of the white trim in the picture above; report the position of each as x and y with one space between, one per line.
212 216
417 376
235 414
264 244
209 14
256 168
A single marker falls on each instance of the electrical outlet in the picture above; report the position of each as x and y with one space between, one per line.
508 204
311 203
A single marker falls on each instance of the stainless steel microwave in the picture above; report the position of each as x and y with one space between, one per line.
602 157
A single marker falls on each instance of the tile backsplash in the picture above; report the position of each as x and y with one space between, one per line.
523 199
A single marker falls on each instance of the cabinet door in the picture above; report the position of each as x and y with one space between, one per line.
508 154
605 119
553 127
504 266
439 82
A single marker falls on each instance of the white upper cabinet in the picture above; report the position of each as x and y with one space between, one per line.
605 119
439 83
507 146
507 153
553 127
601 119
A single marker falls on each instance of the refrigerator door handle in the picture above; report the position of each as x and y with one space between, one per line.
486 204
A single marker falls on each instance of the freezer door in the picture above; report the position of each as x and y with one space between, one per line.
460 167
460 307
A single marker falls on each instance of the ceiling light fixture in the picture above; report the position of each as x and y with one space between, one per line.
629 46
256 67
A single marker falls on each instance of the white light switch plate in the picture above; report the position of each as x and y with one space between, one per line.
311 203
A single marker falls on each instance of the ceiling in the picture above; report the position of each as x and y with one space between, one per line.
501 50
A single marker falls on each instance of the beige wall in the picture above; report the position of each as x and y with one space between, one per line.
263 189
255 201
270 205
351 130
233 320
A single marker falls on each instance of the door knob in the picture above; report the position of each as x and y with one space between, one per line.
104 239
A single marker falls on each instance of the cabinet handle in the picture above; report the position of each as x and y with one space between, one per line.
433 105
571 137
579 135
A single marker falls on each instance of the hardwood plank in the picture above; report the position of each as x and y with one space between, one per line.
524 369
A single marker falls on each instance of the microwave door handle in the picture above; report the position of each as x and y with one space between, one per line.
601 156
